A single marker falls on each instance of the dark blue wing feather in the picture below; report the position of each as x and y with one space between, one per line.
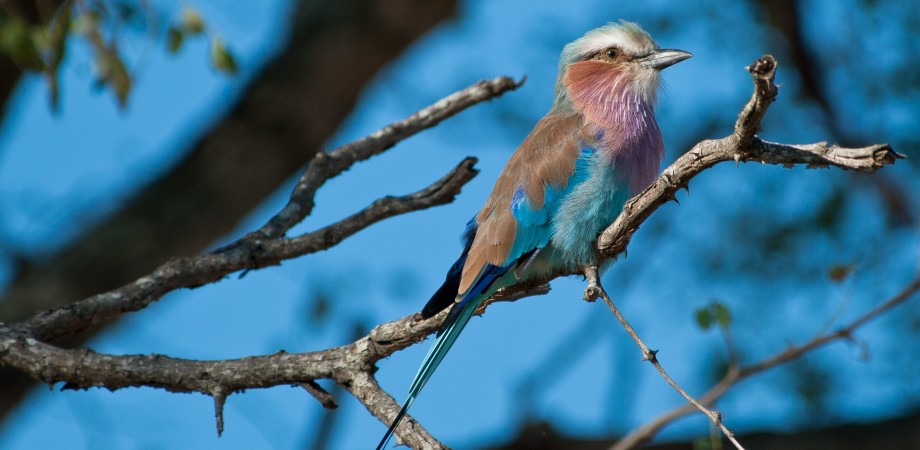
446 295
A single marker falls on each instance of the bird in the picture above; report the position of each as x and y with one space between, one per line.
598 145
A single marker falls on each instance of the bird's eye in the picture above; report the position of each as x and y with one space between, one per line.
611 53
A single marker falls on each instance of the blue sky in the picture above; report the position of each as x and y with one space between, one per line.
76 166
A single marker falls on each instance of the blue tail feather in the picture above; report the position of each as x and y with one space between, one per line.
455 322
453 326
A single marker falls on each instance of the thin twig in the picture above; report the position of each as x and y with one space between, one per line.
196 271
329 165
597 290
266 246
737 374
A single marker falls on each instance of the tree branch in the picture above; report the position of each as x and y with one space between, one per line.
255 251
84 368
744 146
329 165
352 366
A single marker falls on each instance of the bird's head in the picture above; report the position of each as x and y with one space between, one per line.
618 61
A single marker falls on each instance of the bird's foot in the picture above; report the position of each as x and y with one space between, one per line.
594 283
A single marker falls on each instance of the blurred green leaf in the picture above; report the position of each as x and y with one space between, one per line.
17 40
86 23
191 21
56 50
39 37
221 58
112 72
56 44
722 314
43 47
704 318
174 38
715 313
120 80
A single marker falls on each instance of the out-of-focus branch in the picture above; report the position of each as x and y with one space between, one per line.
647 432
329 165
787 16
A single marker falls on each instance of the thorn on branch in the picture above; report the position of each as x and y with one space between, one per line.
219 399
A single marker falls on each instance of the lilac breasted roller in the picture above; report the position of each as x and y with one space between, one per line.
598 146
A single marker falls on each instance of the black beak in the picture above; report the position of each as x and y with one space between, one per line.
660 59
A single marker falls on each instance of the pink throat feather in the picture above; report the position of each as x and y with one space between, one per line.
625 120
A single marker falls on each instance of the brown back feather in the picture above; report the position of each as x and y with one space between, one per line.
545 158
